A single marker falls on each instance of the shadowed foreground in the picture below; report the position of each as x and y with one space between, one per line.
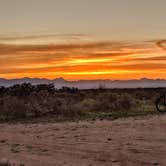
133 141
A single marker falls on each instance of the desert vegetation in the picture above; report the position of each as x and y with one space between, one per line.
28 101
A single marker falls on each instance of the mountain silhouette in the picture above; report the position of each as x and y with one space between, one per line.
88 84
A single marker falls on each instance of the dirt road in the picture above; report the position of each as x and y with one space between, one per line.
123 142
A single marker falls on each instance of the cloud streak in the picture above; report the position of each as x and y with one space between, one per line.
120 60
41 36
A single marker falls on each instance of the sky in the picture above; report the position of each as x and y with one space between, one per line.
83 39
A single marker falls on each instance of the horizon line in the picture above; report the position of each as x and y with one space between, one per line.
142 78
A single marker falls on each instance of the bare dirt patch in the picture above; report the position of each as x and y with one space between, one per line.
124 142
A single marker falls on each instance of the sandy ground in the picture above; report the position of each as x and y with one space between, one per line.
123 142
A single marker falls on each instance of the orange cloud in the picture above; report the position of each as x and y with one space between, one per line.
161 44
119 60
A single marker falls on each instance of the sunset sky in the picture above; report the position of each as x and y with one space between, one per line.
83 39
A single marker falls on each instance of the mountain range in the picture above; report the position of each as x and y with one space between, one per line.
88 84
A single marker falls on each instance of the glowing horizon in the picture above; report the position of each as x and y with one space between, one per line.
96 60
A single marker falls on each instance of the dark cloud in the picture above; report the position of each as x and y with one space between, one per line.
82 47
13 49
161 44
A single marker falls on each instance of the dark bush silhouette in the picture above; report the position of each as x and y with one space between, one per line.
46 87
26 101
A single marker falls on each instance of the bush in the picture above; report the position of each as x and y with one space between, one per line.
26 100
13 108
86 105
125 102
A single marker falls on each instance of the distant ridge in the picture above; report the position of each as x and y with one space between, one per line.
88 84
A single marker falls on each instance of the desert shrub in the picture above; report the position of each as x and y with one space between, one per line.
62 108
59 106
26 100
2 90
86 105
21 91
68 89
125 102
12 108
113 102
45 87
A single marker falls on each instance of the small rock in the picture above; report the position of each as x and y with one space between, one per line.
2 141
155 163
